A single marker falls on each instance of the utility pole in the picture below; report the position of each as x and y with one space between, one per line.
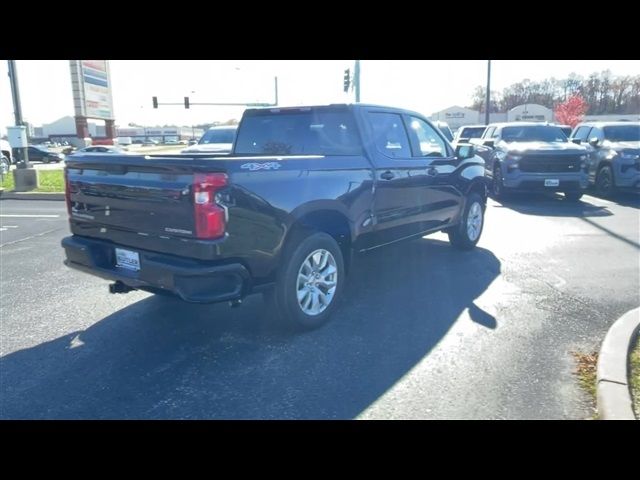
488 101
17 109
356 80
276 80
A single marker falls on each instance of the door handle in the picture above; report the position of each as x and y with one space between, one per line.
432 171
388 175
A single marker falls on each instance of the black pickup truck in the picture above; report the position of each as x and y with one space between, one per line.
304 189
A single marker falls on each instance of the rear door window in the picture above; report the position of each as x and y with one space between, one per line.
304 132
389 134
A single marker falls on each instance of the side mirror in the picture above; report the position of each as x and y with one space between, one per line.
577 141
594 142
465 151
489 143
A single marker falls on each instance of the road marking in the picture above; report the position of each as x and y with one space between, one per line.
29 238
6 227
30 216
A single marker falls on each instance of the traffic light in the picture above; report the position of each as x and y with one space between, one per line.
186 102
155 102
347 79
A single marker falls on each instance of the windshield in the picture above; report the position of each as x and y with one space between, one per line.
622 133
535 133
222 135
472 132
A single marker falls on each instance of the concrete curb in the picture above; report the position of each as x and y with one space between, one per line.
31 195
614 398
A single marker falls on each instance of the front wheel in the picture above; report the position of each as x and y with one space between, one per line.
466 235
309 284
572 196
497 187
5 165
604 181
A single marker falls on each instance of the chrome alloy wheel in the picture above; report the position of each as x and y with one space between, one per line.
317 281
474 221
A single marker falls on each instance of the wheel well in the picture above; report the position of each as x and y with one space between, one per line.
327 221
7 154
480 188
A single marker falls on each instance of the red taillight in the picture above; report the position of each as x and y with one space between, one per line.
67 191
210 217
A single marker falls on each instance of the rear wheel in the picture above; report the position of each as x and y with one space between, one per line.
466 235
604 181
309 284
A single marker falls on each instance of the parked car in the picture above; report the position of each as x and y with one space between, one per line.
40 154
532 157
214 140
304 191
150 141
467 132
614 154
6 156
444 128
566 129
102 149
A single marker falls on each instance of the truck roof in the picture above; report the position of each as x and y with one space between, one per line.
334 105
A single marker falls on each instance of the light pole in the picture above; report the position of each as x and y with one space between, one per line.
17 109
488 100
356 80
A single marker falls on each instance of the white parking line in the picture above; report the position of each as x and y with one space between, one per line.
30 216
6 227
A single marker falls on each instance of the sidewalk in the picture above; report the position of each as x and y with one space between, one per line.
613 397
6 195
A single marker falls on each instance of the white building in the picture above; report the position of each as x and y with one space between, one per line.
160 134
530 112
66 127
457 116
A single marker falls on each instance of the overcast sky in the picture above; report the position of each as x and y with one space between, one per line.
426 86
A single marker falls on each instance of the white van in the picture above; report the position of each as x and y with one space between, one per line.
124 141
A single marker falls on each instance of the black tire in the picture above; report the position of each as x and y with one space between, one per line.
604 181
572 196
497 185
282 300
459 236
5 165
45 160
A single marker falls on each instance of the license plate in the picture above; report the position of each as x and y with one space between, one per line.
127 259
551 182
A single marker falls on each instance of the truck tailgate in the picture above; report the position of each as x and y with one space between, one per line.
141 195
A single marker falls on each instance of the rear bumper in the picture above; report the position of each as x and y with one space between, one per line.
192 280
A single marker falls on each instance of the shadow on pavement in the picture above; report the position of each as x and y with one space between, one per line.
624 198
161 358
552 205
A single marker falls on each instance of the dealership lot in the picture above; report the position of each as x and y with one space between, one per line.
424 331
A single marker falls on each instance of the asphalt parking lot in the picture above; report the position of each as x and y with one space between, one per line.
424 331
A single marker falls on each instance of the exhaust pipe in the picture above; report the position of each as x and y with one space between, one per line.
119 287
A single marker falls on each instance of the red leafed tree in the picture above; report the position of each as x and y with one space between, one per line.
571 111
